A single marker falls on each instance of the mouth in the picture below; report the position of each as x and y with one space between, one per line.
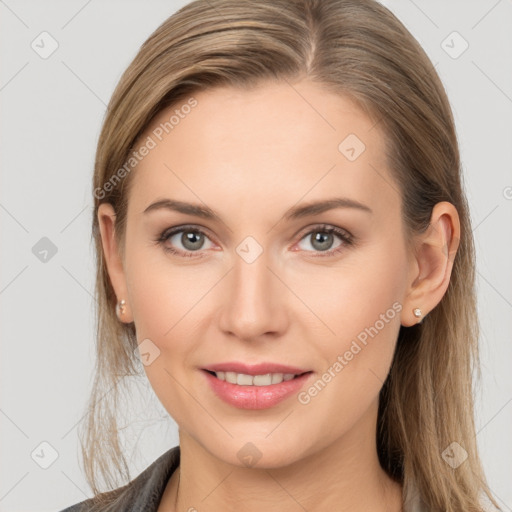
258 391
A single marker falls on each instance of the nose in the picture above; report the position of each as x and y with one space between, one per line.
253 301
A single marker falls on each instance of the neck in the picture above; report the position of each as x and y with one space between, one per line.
342 476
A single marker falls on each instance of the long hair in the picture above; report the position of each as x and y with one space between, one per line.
357 49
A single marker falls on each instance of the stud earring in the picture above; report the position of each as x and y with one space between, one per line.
417 312
120 308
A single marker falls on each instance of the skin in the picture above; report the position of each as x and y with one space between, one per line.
250 155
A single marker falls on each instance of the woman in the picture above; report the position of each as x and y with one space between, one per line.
283 241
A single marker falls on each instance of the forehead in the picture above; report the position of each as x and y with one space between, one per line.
274 143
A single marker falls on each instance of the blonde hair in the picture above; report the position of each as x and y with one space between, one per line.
355 48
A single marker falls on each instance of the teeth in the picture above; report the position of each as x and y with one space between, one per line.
254 380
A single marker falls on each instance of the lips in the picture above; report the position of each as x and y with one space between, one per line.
254 391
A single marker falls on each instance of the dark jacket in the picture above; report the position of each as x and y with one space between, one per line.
143 493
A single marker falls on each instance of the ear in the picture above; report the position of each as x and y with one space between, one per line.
112 256
432 262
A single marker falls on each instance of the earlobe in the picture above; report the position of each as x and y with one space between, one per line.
433 262
112 257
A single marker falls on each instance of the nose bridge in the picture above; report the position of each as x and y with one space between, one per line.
254 299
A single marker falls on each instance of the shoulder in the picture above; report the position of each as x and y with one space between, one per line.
143 493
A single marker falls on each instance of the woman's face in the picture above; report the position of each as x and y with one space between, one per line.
261 279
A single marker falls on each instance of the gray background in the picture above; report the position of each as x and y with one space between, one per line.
52 109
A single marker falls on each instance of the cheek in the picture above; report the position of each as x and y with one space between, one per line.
351 296
160 291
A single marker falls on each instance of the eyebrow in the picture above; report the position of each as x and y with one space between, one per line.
297 212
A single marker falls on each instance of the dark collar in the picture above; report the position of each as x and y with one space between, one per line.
142 494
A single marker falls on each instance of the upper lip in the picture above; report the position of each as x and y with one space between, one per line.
254 369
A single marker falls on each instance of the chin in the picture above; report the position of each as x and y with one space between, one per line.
257 452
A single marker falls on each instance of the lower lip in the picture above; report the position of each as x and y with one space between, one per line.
255 397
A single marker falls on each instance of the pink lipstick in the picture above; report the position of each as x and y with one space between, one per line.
258 386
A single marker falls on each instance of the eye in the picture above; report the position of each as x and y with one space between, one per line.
322 238
190 238
189 241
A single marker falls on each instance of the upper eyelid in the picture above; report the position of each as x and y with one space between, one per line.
187 227
318 227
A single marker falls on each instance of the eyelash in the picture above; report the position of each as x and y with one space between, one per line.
346 238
